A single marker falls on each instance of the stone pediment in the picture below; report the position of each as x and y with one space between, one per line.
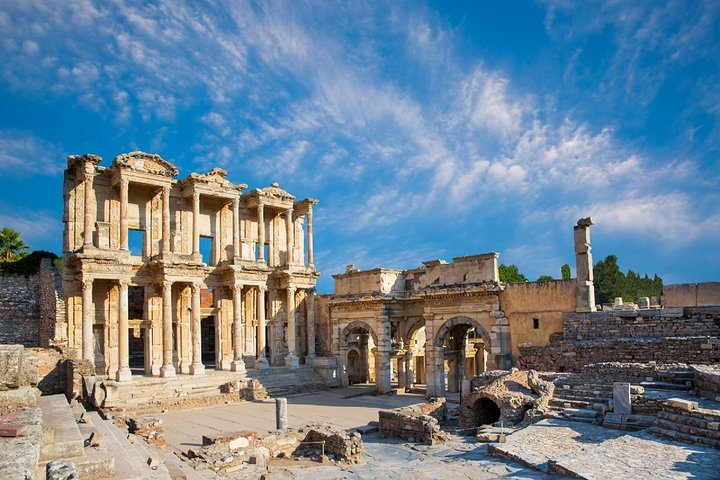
215 177
275 191
146 163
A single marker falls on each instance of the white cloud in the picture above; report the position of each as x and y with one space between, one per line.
21 153
35 226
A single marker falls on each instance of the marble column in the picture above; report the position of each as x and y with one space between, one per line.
289 233
166 220
238 364
310 237
261 233
196 223
124 187
88 339
584 289
197 367
123 374
89 200
236 227
291 360
310 322
167 369
261 361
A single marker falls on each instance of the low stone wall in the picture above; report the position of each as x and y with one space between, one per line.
668 322
52 369
19 310
573 356
679 373
416 423
707 381
52 326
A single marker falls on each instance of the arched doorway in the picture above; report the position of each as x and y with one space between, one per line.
465 345
359 353
357 369
486 412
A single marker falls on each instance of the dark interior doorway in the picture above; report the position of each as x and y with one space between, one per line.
207 336
486 412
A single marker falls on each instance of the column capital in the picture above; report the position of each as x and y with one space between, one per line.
196 195
124 182
195 286
237 287
167 284
292 288
122 283
166 189
236 203
262 288
87 284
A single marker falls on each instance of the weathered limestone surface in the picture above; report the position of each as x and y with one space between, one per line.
416 423
19 310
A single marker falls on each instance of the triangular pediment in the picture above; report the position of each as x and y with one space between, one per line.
146 162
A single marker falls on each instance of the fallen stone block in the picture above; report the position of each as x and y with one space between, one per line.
11 429
61 470
686 405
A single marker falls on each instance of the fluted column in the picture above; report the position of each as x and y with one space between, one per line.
124 186
261 361
238 364
289 234
196 223
88 339
236 227
89 198
197 367
166 220
310 236
311 322
123 374
291 360
261 233
167 369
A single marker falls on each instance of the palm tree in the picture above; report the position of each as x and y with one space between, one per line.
11 245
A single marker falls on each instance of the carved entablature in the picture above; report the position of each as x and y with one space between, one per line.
272 196
304 206
212 183
146 163
274 190
83 164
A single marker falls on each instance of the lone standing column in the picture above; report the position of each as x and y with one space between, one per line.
261 361
584 290
123 374
281 416
291 360
196 223
88 340
166 220
311 322
167 370
238 364
197 367
124 185
261 233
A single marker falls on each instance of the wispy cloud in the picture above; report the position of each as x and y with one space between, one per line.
22 153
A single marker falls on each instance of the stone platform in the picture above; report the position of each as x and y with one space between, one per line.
591 452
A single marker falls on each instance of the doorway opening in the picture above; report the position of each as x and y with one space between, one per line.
207 341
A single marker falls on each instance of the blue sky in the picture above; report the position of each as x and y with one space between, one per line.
426 130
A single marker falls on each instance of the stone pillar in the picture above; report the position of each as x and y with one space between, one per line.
281 415
261 233
310 236
236 227
310 323
88 316
289 234
197 367
410 367
124 187
89 199
196 223
166 219
291 360
123 374
383 368
434 370
167 369
585 291
402 372
261 361
500 348
342 367
238 364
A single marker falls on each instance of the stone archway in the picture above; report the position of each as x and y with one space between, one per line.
361 338
439 339
353 327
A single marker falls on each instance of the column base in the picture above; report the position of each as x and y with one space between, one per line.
123 375
292 361
167 371
238 366
197 369
261 363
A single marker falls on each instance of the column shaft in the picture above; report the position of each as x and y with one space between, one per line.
238 365
261 361
88 339
311 322
89 197
196 223
123 373
310 237
124 186
261 233
197 367
236 227
167 369
291 360
166 220
289 233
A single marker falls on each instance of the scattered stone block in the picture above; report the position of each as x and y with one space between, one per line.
621 398
686 405
61 470
11 429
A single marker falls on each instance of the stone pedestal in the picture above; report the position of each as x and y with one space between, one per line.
261 363
292 361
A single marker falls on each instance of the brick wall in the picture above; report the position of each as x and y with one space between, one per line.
19 310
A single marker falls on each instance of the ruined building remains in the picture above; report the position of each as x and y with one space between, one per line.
163 274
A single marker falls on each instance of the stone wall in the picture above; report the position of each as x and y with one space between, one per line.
667 322
707 381
52 369
19 310
52 328
416 423
692 294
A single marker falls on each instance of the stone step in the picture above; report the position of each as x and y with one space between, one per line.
684 437
581 412
62 437
561 403
687 429
665 386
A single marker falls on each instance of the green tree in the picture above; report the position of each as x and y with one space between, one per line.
511 274
545 278
611 282
565 273
11 245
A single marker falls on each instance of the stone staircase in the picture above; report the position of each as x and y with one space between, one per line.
584 403
284 381
692 420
